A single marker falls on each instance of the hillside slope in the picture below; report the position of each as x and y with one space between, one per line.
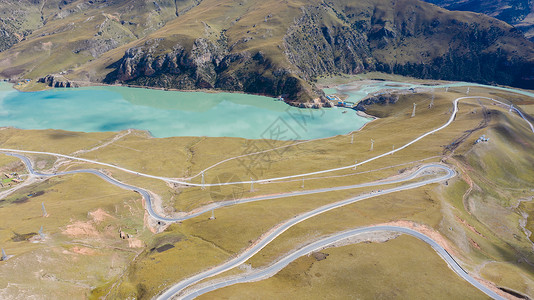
519 13
270 47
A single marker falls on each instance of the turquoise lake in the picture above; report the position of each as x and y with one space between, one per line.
170 113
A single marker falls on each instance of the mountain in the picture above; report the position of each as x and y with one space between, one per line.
519 13
270 47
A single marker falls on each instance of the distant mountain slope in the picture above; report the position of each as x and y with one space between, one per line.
269 47
519 13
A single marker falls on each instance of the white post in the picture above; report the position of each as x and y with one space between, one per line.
302 186
355 164
203 187
4 256
44 210
352 138
251 185
511 106
446 89
467 93
41 232
372 144
212 215
413 112
432 101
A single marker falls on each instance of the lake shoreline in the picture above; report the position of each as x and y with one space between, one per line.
164 113
315 104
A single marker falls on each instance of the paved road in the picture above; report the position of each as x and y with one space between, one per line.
144 193
282 263
270 236
167 179
449 173
241 258
283 227
148 199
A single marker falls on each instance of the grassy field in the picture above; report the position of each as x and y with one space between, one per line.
361 271
465 211
235 228
81 248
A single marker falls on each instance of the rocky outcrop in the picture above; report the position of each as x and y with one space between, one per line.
207 65
376 39
318 49
515 12
57 81
96 47
380 100
405 37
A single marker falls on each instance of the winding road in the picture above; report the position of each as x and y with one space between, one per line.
271 235
281 228
271 270
172 180
199 211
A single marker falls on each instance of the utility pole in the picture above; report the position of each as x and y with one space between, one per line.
372 144
413 112
4 256
203 182
44 210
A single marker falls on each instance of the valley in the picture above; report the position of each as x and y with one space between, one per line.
215 149
219 199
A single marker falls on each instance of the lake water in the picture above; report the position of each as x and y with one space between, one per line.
169 113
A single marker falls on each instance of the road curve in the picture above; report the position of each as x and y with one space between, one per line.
271 270
266 239
145 194
281 228
167 179
197 212
269 237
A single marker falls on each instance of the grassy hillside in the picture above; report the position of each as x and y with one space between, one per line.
519 13
268 47
484 213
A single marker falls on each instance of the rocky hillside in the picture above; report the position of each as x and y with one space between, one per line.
519 13
273 47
